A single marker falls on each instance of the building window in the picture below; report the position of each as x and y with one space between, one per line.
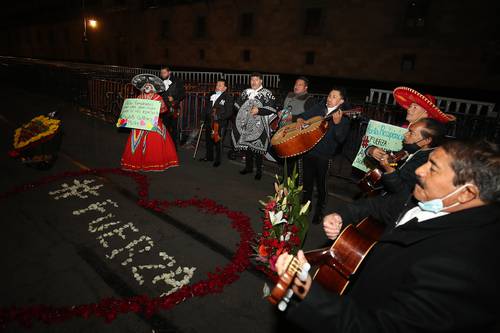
52 38
408 63
66 35
165 28
313 21
246 25
493 65
246 55
310 56
93 3
147 4
201 27
201 54
39 36
415 16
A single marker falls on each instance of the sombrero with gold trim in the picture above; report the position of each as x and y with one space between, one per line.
404 96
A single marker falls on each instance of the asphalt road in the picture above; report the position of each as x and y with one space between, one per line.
53 253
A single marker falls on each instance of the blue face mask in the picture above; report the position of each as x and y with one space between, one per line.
437 205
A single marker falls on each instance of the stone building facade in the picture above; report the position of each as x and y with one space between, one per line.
436 42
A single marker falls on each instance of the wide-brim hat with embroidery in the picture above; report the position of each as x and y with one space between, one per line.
405 96
140 80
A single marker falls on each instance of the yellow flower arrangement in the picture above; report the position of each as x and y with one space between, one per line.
38 128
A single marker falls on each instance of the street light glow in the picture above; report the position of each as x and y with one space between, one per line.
92 24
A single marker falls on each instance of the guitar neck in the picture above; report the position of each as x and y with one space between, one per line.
348 113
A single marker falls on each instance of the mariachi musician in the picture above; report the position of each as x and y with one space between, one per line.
420 137
251 132
219 109
316 161
296 103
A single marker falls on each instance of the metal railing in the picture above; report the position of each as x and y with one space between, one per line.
454 106
234 79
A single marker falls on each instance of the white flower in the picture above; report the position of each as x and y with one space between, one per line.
286 238
304 208
276 218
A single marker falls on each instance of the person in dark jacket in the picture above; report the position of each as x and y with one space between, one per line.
296 103
433 270
422 137
316 160
219 108
172 96
251 131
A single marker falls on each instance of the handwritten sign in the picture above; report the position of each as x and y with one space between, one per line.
385 136
139 113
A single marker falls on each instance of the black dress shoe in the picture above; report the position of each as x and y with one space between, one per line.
258 175
245 171
216 164
204 159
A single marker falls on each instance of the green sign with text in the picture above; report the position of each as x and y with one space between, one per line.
382 135
139 113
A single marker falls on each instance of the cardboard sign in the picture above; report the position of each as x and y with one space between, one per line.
139 113
382 135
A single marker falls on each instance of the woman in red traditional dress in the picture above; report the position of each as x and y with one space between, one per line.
151 150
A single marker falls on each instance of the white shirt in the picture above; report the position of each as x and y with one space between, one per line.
252 93
215 96
330 110
420 214
167 83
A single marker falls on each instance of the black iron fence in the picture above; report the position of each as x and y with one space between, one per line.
100 93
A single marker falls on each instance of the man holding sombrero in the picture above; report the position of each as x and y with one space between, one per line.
419 106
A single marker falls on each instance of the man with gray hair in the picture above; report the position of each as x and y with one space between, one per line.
433 270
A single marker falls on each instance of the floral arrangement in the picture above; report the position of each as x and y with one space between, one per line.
285 224
41 127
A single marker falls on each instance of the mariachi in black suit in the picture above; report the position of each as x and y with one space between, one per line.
438 275
176 90
223 108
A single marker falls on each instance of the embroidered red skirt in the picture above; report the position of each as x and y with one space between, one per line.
149 150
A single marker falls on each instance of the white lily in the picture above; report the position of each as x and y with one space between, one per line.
276 218
286 238
304 208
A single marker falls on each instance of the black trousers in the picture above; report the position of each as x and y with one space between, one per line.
171 123
210 144
315 172
249 157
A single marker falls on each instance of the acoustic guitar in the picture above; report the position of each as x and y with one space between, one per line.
336 264
292 141
370 181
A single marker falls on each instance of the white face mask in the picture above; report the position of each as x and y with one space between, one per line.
437 205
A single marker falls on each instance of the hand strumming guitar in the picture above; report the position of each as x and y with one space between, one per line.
332 224
337 117
382 157
299 288
300 123
376 152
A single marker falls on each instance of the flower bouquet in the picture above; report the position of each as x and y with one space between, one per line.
37 142
285 224
38 130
